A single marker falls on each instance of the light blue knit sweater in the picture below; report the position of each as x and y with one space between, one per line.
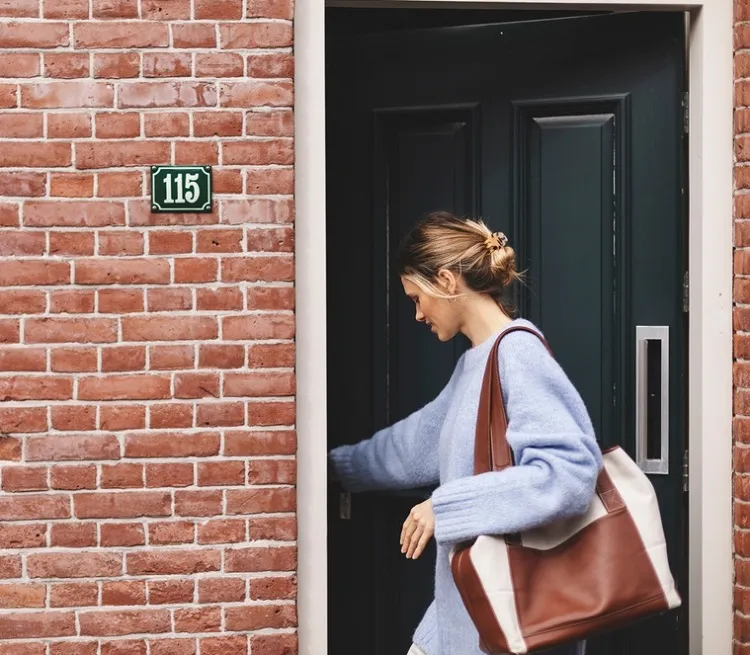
556 454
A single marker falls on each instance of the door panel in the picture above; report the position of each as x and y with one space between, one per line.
567 135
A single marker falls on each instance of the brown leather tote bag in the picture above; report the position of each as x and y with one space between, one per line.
570 578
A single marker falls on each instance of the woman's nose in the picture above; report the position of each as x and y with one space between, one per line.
420 315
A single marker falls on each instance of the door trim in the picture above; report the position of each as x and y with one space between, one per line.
710 319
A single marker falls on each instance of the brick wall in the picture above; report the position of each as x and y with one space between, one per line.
742 328
146 360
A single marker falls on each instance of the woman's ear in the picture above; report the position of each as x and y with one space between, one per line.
448 281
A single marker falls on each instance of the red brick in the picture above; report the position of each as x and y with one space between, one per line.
66 64
170 475
19 64
130 592
74 417
164 328
126 504
140 34
270 471
74 594
270 240
228 180
70 447
260 501
272 181
172 646
171 357
255 35
273 528
118 185
66 126
270 9
23 648
22 595
74 648
10 448
196 35
257 94
33 35
23 359
186 154
124 647
72 302
10 566
217 474
23 183
21 126
35 155
271 268
220 123
122 271
23 419
197 503
36 388
274 588
118 125
222 531
230 645
124 622
74 360
249 443
21 244
171 416
124 387
273 644
166 10
71 185
73 478
167 64
122 476
74 565
120 301
44 624
8 215
173 532
140 214
198 619
270 413
195 270
221 590
220 415
163 592
166 124
114 9
24 478
254 617
110 154
72 535
255 153
40 213
167 94
169 300
273 123
273 65
220 241
58 95
119 534
124 358
117 65
170 242
78 330
173 562
196 385
219 299
122 417
259 384
219 64
120 243
154 444
221 356
272 355
8 94
75 243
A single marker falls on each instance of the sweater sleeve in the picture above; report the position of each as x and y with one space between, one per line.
557 458
401 456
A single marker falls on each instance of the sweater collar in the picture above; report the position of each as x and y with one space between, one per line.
479 353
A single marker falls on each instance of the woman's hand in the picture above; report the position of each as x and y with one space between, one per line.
417 530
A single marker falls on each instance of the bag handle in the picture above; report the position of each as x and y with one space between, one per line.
491 449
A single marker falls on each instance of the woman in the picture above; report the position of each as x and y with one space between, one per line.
456 271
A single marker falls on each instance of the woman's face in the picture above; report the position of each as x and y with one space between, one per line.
439 313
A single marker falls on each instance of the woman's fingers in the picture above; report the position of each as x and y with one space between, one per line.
422 543
416 536
410 525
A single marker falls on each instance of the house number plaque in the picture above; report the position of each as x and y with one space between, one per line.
181 189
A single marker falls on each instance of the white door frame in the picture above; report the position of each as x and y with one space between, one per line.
710 321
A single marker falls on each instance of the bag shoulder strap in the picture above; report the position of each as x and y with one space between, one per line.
491 449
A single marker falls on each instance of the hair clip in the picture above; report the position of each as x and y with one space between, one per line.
496 241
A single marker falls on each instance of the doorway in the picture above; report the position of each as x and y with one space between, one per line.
562 130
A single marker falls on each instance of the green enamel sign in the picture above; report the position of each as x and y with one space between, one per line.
181 189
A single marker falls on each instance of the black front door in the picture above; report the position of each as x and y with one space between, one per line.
565 133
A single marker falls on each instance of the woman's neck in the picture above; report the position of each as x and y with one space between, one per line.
484 317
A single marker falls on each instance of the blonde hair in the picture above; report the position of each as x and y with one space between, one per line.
467 247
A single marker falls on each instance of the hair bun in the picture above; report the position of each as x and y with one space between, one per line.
496 241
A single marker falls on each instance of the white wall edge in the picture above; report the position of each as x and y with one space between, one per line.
710 319
310 300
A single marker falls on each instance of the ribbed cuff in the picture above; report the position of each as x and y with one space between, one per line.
345 471
456 512
426 636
